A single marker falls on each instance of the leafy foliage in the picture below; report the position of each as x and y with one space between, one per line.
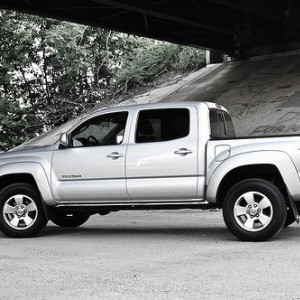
153 59
13 124
51 71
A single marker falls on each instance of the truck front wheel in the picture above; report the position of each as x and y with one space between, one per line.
254 210
21 211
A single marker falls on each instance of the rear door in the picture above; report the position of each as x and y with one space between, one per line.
161 159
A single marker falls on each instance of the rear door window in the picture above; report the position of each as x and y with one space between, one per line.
159 125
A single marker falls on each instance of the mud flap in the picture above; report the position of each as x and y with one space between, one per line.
294 207
48 210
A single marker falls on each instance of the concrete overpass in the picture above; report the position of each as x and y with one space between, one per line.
240 28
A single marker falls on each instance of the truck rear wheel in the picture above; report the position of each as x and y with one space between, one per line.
254 210
21 211
69 219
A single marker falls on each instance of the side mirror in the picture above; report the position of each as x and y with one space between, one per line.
64 140
119 139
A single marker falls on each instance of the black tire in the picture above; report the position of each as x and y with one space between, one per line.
21 211
69 219
254 210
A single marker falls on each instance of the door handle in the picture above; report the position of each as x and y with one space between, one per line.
183 151
115 155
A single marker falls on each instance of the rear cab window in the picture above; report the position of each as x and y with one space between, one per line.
221 125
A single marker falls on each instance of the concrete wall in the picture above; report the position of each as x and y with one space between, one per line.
262 95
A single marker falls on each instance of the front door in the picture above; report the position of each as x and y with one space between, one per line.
161 160
92 168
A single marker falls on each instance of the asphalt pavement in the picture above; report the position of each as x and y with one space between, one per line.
150 255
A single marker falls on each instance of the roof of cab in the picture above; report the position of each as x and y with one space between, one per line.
210 105
131 107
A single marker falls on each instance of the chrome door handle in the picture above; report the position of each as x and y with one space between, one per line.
115 155
183 151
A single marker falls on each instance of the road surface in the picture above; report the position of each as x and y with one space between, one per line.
150 255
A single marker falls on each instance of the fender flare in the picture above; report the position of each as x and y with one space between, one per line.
279 159
37 171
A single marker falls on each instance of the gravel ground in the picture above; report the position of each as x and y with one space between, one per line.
150 255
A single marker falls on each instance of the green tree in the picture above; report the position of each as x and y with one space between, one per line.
51 71
149 59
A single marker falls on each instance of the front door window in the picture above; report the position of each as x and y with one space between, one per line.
102 130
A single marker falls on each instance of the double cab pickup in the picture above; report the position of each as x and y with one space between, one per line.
155 156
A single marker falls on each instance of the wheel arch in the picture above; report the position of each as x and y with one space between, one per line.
274 166
9 179
32 173
257 171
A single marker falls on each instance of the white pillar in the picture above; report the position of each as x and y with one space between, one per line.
207 53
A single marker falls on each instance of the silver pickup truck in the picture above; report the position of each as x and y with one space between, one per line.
154 156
